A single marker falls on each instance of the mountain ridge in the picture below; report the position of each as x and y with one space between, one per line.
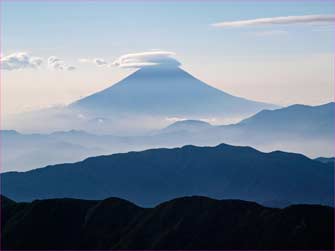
160 174
176 224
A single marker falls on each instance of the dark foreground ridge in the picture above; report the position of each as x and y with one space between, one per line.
183 223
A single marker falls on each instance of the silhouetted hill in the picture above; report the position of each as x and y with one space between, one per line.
185 223
156 175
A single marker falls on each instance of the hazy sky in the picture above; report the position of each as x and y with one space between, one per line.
282 54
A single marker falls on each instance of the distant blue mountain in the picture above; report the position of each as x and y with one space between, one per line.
309 121
297 128
153 176
186 126
303 120
166 92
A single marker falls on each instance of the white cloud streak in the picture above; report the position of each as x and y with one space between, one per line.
20 60
307 19
58 64
148 58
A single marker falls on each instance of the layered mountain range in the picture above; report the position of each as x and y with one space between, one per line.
299 128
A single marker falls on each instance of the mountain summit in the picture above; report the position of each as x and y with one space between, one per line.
167 91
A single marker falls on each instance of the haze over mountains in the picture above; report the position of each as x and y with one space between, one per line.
152 176
185 223
299 128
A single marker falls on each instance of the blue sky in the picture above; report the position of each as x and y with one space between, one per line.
231 59
79 26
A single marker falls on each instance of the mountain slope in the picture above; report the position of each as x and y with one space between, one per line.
152 176
184 223
302 119
166 92
297 128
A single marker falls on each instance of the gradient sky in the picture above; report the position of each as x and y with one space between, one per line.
281 64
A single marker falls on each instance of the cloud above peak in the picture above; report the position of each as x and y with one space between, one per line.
58 64
147 58
306 19
20 60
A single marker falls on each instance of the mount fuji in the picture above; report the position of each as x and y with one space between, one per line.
148 99
167 91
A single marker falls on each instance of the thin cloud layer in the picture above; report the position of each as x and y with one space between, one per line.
58 64
148 58
20 60
307 19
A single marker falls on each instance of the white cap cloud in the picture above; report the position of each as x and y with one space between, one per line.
20 60
58 64
306 19
148 58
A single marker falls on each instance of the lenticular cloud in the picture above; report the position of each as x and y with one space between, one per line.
144 59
